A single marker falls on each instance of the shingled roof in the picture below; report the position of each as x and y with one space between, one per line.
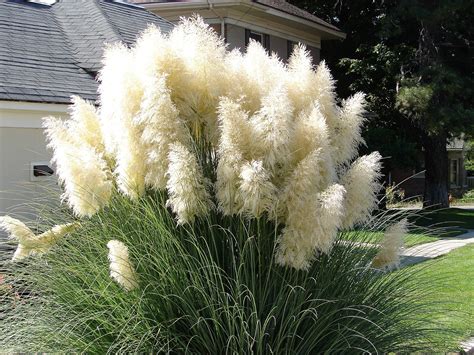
48 53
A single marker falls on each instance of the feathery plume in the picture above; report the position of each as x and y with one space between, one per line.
82 170
311 134
15 228
28 242
388 256
188 197
326 96
257 192
301 79
85 124
121 95
361 184
349 131
121 270
45 240
305 179
293 249
311 228
201 52
253 75
161 126
235 147
329 216
273 127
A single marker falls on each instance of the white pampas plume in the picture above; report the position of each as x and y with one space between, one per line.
293 249
311 228
348 137
257 192
121 270
301 78
82 170
361 183
121 95
19 231
253 75
273 127
188 196
310 134
235 147
306 179
161 126
329 216
326 96
200 52
388 256
28 242
85 124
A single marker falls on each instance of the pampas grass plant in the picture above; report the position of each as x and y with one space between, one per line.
209 195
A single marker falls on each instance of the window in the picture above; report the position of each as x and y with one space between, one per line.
454 172
217 27
262 38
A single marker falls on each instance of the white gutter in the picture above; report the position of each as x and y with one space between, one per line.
211 8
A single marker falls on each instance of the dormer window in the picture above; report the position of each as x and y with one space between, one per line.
262 38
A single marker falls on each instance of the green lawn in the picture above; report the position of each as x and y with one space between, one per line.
451 277
450 217
433 226
411 239
443 223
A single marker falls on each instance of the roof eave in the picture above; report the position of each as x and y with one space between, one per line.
329 33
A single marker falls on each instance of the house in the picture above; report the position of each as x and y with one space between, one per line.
276 24
457 174
412 181
49 52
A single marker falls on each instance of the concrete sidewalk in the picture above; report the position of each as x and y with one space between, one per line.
423 252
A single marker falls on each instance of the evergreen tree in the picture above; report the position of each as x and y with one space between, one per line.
414 61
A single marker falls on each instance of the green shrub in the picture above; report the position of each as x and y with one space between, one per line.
213 288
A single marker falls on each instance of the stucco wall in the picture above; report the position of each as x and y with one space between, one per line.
22 143
19 147
235 37
315 53
279 46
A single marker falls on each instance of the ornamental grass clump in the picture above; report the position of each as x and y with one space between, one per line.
213 189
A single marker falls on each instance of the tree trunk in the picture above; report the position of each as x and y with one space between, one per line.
436 175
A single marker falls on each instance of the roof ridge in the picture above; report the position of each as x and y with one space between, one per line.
87 52
109 21
71 48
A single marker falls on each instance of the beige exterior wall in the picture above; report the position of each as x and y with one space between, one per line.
315 53
19 148
22 143
235 37
279 46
